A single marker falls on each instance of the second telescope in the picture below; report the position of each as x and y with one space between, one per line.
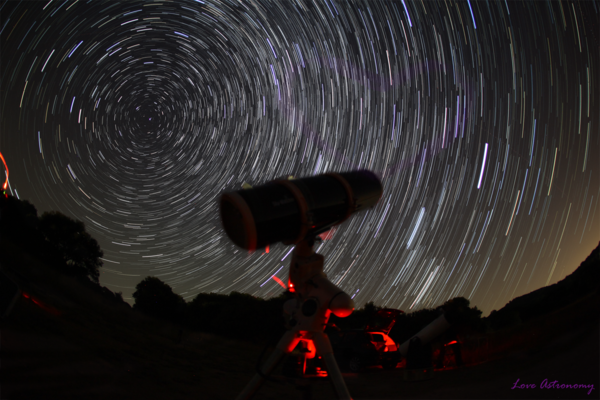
290 210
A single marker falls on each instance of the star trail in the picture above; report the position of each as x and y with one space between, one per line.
481 119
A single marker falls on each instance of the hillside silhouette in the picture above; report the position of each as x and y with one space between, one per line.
65 246
585 280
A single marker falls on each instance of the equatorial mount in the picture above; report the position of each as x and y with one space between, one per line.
315 298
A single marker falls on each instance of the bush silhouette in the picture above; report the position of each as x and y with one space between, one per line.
19 222
459 312
156 298
20 226
79 251
237 315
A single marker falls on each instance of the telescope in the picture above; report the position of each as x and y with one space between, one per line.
296 212
289 211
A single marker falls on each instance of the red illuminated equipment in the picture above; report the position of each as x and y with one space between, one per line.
315 298
42 305
296 212
5 185
356 349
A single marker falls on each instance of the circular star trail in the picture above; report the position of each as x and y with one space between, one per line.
480 118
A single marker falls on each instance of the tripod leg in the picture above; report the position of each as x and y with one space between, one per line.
324 349
286 344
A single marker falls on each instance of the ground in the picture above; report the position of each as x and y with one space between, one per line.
96 350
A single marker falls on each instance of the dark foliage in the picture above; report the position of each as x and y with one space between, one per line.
156 298
19 223
80 252
245 317
19 220
460 314
358 319
237 315
56 240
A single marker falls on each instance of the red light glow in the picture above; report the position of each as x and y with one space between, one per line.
279 281
40 304
5 166
328 234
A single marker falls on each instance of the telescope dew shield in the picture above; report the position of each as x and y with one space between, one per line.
288 211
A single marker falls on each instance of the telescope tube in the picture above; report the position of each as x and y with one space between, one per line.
290 210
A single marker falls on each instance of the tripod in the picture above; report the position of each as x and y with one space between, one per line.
315 299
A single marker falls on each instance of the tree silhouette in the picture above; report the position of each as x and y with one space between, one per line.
20 227
80 252
371 309
459 312
19 221
156 298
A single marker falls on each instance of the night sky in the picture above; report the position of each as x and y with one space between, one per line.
481 119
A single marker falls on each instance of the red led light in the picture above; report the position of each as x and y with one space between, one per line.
279 281
40 304
5 166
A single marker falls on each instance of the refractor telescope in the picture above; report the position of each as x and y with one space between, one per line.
295 212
